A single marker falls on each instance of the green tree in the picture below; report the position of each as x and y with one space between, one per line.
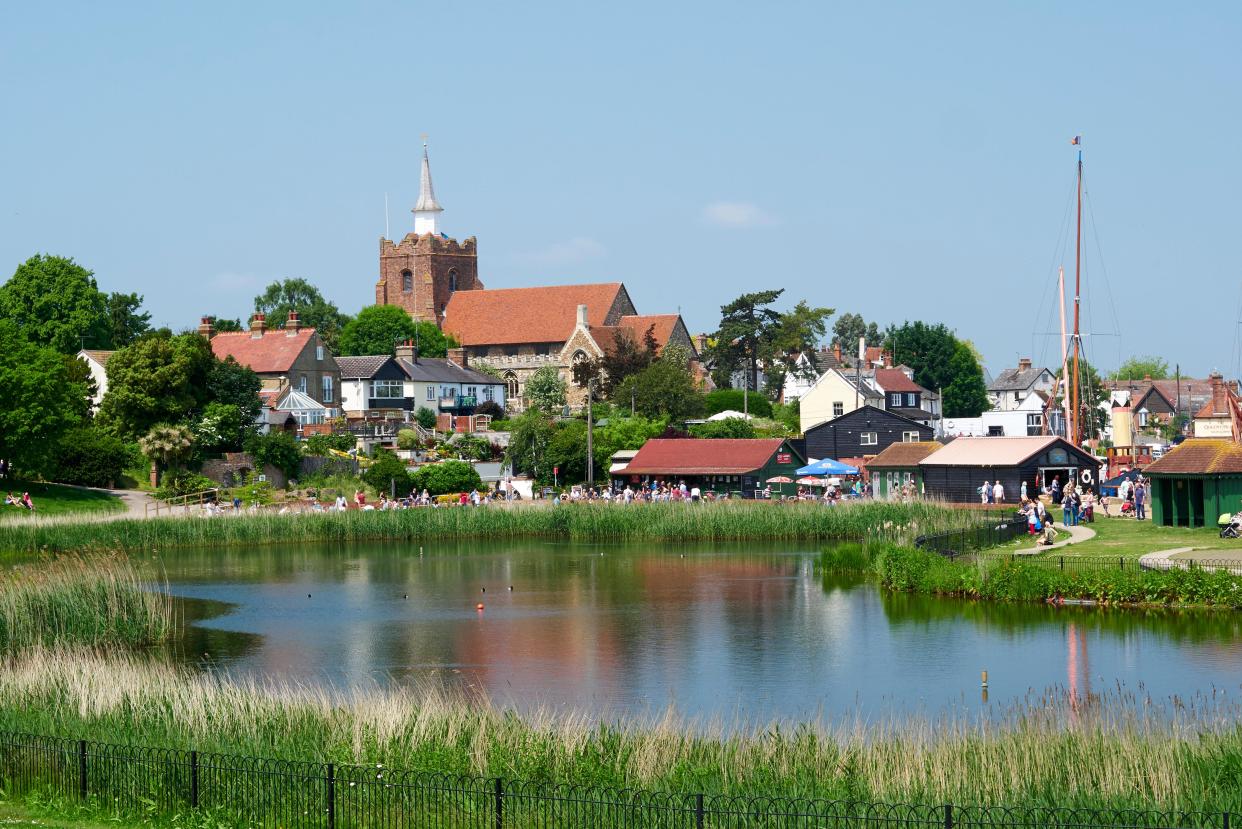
965 395
663 390
228 381
278 448
155 380
167 446
798 331
313 310
55 302
746 327
847 330
387 474
445 477
567 452
225 325
940 361
89 456
720 400
730 427
529 437
627 357
622 432
546 390
378 328
126 321
38 401
1138 368
425 417
220 428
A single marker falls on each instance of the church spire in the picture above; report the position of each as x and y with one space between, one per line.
427 210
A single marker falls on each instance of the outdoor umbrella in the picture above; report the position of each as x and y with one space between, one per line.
780 479
828 467
809 481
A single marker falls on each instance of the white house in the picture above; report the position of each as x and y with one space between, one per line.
97 362
407 382
835 393
1009 391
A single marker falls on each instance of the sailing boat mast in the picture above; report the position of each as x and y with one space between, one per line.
1076 425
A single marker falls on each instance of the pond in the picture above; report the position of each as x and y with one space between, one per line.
734 632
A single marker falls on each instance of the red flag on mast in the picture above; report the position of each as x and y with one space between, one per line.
1076 141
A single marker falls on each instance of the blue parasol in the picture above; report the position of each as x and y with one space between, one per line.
828 467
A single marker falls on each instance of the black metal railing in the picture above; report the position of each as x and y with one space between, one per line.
987 533
250 791
1112 564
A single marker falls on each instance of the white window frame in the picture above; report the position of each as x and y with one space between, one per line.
894 399
319 352
391 390
1034 421
911 399
910 437
488 393
302 384
868 439
431 393
838 409
328 388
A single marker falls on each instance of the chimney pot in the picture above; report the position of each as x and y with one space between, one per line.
293 323
458 355
1024 363
258 324
206 328
407 351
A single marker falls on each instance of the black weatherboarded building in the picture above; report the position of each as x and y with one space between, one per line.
862 432
956 472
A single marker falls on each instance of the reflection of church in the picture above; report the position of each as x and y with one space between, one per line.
516 331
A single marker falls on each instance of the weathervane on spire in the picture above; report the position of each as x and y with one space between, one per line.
427 210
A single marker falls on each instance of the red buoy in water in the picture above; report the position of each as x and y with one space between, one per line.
479 606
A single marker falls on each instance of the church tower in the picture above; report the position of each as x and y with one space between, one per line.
424 269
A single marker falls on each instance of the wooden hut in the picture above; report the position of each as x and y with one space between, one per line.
898 465
738 467
1197 482
956 472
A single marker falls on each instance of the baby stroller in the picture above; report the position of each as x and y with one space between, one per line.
1230 525
1127 508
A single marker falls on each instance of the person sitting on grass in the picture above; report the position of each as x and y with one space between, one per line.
12 500
26 502
1050 535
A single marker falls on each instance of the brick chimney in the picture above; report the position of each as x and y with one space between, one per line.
293 324
458 355
205 328
258 325
836 352
407 351
1220 394
582 316
1024 363
1146 378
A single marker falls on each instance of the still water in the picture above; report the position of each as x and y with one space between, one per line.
749 632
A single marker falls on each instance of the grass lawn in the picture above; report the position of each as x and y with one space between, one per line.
52 499
13 814
1130 538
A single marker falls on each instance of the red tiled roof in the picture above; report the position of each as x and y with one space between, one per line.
662 327
1200 456
510 316
894 379
274 352
714 456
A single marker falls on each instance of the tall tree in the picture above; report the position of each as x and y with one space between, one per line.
940 362
797 331
627 357
746 326
1137 368
156 380
528 443
546 390
378 328
55 302
40 401
127 322
231 383
849 328
313 310
665 389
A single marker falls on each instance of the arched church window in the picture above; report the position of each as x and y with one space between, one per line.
579 356
452 280
407 281
511 384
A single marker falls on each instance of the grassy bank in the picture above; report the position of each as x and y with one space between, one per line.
1128 538
92 600
655 522
912 570
56 500
1046 752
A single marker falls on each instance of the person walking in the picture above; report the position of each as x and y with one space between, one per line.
998 492
1022 493
1056 489
1140 501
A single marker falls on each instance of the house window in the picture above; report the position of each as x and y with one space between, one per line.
431 392
912 400
319 352
1017 397
407 281
1034 424
868 439
302 384
471 391
327 388
909 437
838 409
996 431
894 399
488 393
387 389
452 280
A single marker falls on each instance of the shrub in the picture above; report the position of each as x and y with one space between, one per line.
445 477
407 439
490 408
736 400
425 417
182 482
386 471
88 456
471 448
323 444
280 449
731 427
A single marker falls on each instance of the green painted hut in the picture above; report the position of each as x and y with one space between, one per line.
899 463
1197 482
721 465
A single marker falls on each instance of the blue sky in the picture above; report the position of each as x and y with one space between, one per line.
903 161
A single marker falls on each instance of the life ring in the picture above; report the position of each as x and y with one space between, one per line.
1085 476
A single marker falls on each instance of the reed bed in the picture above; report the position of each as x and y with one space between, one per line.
1108 752
90 600
731 521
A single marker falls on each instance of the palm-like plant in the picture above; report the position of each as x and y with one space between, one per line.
166 445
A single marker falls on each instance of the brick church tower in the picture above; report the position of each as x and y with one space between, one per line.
422 271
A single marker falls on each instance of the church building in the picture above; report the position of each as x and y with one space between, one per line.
514 331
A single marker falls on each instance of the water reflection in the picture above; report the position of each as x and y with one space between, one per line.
747 631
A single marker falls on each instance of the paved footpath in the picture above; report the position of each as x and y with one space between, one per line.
1077 535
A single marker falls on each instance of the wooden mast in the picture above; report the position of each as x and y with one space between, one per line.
1076 426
